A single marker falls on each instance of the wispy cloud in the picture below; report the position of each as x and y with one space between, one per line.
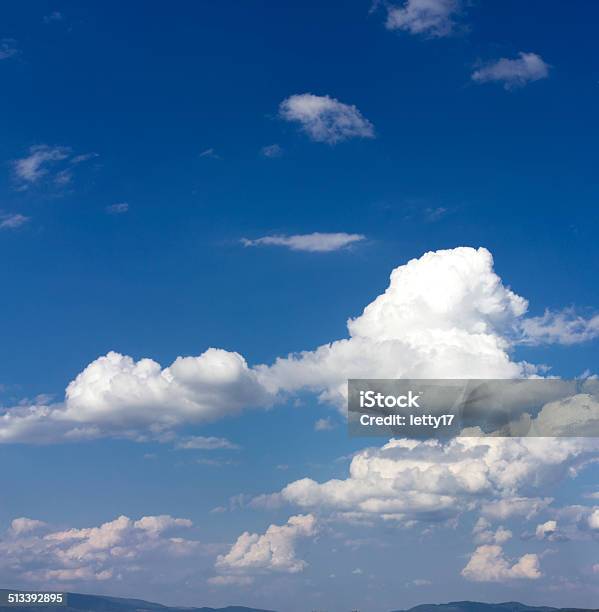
433 18
325 119
210 153
513 73
53 17
117 209
8 48
54 163
12 220
206 443
273 150
560 327
315 242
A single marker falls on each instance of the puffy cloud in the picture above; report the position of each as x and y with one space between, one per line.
562 327
35 553
484 535
116 395
12 220
577 415
317 242
429 17
272 551
594 519
444 315
325 119
512 506
528 67
488 564
22 525
434 481
546 530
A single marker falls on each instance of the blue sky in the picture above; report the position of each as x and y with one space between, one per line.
154 123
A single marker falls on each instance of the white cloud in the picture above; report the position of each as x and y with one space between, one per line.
595 568
8 48
206 443
484 535
210 153
562 327
272 551
594 519
325 119
444 315
118 209
546 530
512 506
429 17
528 67
433 481
116 395
22 525
228 581
44 161
37 554
324 424
273 150
53 17
316 242
12 220
488 564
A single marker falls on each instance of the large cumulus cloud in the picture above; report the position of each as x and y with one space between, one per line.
444 315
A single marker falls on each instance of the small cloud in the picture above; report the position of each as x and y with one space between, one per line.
282 467
513 73
419 582
12 220
228 581
215 462
434 214
8 48
434 18
206 443
357 571
23 525
210 153
595 568
117 209
53 17
273 150
78 159
315 242
218 510
47 162
324 424
325 119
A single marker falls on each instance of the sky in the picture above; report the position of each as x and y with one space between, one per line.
211 216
